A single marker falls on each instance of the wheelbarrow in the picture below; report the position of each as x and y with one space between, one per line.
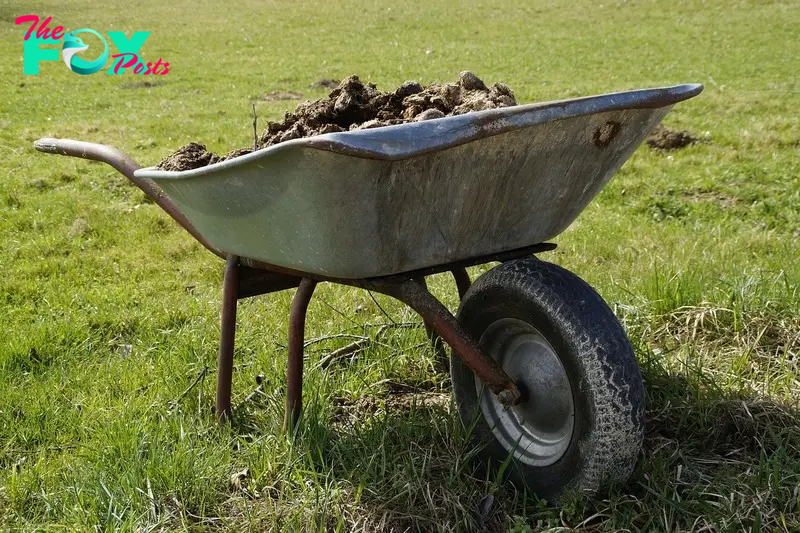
542 372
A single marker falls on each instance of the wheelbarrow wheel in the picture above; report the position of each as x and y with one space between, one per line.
580 423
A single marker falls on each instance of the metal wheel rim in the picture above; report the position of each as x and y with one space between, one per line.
538 430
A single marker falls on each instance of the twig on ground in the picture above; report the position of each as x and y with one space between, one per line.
258 390
255 129
384 327
351 349
332 308
260 382
317 340
381 308
200 375
360 343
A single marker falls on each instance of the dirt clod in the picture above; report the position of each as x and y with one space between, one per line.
193 155
471 82
428 115
355 105
663 138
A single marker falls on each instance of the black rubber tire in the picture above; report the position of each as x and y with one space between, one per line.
607 389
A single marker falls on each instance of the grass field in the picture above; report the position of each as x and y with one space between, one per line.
109 311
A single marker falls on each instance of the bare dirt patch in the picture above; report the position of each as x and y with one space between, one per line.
141 85
277 96
716 197
79 228
354 105
325 84
663 138
351 411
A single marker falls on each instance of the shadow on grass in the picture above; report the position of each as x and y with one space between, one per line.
712 461
703 419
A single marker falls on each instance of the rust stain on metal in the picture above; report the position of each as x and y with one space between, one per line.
605 134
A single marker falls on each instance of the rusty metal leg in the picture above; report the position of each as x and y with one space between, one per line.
294 371
227 335
442 360
432 335
462 281
416 296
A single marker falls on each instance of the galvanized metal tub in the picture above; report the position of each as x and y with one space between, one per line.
389 200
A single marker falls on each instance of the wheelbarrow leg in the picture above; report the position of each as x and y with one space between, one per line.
294 371
227 335
442 362
463 282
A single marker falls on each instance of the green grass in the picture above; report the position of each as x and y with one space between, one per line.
109 311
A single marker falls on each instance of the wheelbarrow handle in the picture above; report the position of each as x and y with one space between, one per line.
126 166
123 163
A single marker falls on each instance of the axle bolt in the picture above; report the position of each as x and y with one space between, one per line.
506 397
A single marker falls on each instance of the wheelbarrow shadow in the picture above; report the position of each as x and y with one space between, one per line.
410 453
410 461
403 455
710 452
695 417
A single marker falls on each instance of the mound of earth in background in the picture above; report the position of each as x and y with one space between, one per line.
354 105
663 138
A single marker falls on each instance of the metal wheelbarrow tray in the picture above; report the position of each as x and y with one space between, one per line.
384 208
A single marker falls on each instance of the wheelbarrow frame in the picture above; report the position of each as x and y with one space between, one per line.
244 278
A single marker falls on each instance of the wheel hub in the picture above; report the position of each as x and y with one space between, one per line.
539 428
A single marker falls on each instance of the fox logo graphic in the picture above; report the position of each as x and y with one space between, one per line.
128 48
73 45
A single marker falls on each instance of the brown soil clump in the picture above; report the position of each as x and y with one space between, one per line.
193 155
663 138
354 105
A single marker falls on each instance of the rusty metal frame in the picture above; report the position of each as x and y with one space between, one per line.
463 283
294 370
242 281
261 278
433 312
227 338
